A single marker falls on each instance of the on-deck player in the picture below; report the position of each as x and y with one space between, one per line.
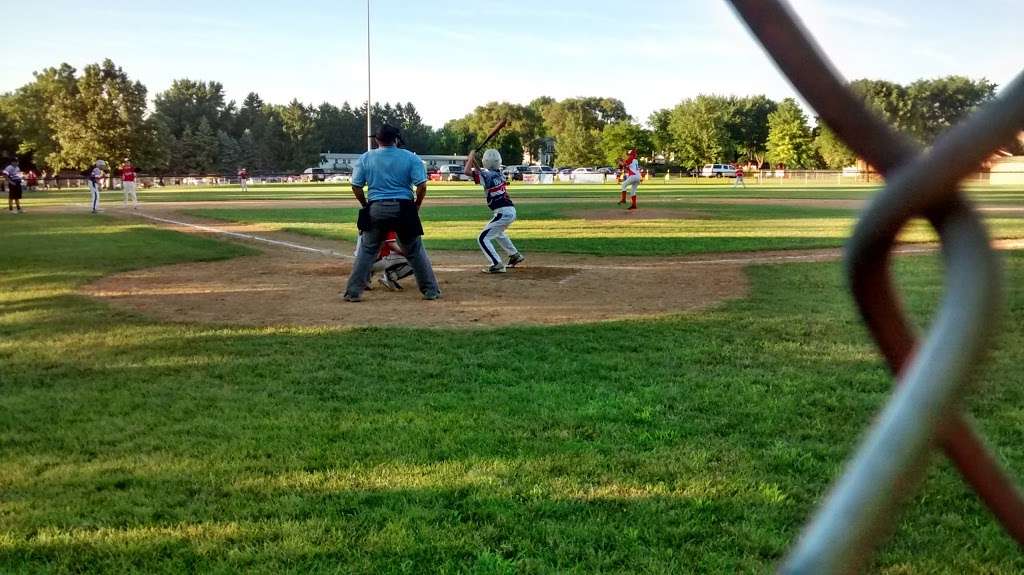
631 180
128 183
502 208
95 177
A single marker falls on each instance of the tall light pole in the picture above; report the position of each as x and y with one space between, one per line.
369 99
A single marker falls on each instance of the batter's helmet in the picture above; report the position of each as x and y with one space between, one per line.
491 160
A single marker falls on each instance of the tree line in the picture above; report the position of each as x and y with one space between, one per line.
64 120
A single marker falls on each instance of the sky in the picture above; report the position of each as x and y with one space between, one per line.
448 57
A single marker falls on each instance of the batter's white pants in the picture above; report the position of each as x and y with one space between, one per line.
631 184
129 192
496 229
94 189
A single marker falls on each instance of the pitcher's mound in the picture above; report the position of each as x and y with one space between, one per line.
283 289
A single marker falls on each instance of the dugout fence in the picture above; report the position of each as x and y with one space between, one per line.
932 371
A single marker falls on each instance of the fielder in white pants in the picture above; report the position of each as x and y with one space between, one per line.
129 194
95 177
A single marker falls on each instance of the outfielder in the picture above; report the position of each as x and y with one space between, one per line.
95 177
128 183
631 181
243 179
739 177
504 212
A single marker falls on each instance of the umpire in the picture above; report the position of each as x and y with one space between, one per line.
391 174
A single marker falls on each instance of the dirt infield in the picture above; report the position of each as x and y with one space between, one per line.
284 288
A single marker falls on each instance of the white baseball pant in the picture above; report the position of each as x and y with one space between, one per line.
94 190
496 229
631 183
129 192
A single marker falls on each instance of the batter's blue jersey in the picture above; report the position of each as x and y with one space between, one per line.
495 188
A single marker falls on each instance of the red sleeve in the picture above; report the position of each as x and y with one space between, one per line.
632 156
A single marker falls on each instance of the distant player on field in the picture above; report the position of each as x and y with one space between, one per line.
739 178
95 177
243 179
32 180
631 178
12 173
128 183
502 209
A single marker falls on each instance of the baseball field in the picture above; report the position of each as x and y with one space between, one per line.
667 391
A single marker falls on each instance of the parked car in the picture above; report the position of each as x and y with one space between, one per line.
584 171
513 173
565 171
606 170
718 171
313 175
337 178
453 173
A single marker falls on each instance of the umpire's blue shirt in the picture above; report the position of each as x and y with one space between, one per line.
390 173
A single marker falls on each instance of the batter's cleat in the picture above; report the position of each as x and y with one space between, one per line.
495 269
631 208
351 298
430 296
622 203
515 259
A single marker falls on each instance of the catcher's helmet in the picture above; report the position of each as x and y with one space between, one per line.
491 159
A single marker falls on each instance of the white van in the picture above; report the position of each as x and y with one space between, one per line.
718 171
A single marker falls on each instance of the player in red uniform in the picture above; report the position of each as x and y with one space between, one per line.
128 183
631 179
243 178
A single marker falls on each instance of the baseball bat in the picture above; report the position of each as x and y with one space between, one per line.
490 136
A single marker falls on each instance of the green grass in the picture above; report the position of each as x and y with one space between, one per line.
562 228
693 444
656 189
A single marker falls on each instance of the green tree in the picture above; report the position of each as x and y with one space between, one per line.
297 122
748 127
833 152
700 130
619 137
789 137
578 145
103 119
32 110
186 102
9 138
662 142
937 104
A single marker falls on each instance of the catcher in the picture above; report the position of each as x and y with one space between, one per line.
390 262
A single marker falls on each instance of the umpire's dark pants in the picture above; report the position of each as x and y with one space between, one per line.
385 216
